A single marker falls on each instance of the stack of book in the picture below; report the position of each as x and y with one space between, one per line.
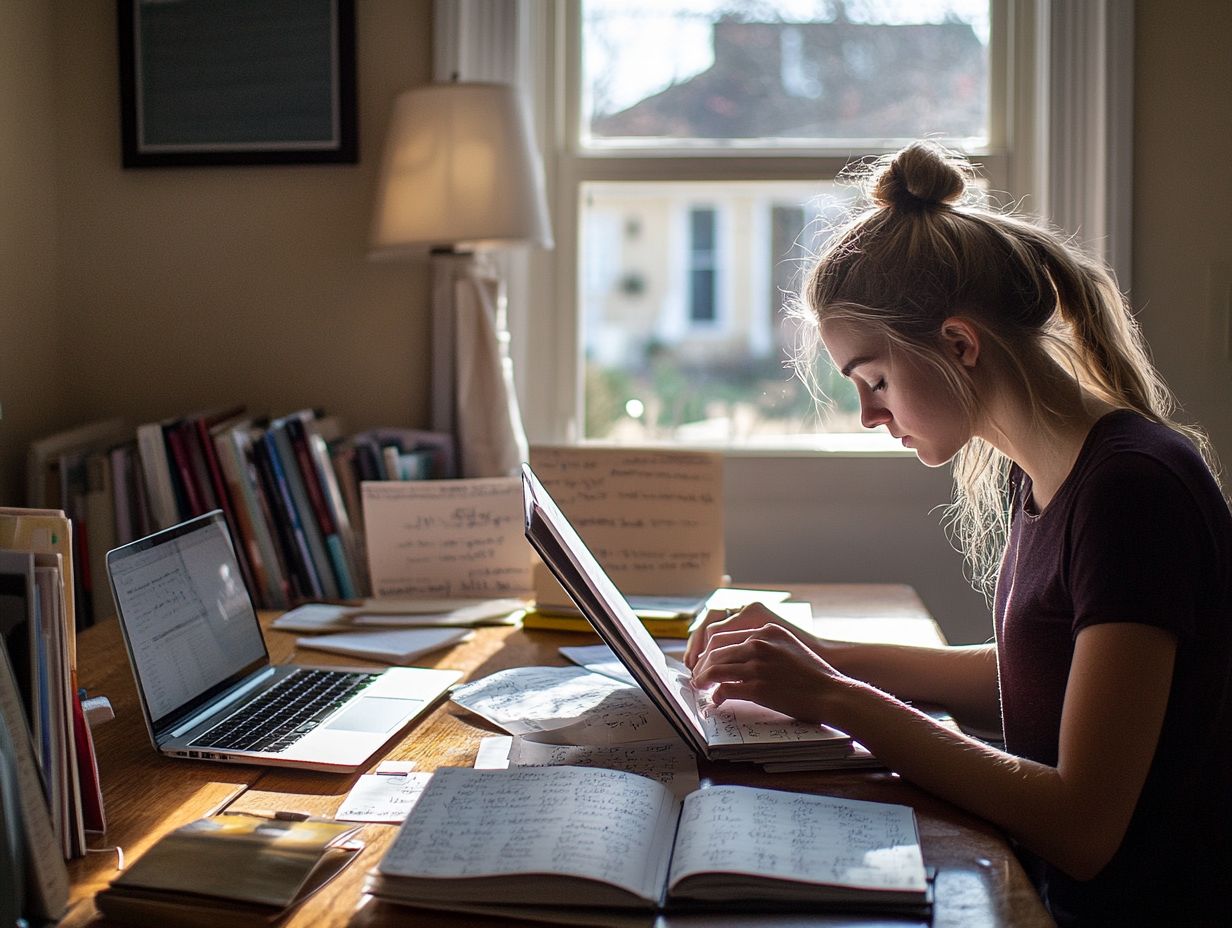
288 487
42 714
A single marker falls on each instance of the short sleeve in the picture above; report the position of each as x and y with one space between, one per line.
1137 547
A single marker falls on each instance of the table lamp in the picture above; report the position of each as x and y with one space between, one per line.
461 176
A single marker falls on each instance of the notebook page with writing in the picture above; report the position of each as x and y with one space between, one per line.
796 837
565 821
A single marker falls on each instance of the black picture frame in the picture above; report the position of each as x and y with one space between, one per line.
235 82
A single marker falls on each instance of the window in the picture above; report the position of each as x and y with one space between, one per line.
694 176
702 266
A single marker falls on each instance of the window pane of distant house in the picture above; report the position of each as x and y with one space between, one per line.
654 264
701 265
783 73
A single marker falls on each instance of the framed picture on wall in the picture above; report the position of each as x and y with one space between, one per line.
237 82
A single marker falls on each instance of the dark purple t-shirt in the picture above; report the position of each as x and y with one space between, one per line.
1138 532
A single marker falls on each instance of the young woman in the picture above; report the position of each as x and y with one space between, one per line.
976 337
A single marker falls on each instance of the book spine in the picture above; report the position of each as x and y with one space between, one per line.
282 508
317 554
252 491
222 499
319 507
187 504
121 464
334 497
157 470
100 523
245 530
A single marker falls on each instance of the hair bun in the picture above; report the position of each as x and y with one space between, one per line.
920 176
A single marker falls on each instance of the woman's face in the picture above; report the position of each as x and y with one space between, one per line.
915 403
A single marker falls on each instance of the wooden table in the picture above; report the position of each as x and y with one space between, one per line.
979 881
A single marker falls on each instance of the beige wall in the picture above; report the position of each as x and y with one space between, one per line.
1183 201
181 288
32 375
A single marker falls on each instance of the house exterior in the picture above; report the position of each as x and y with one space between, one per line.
701 270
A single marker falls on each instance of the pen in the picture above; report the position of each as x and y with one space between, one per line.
276 815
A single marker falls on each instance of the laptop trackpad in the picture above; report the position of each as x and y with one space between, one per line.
372 713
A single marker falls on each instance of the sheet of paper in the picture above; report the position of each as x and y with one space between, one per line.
386 795
502 611
574 705
667 760
446 538
314 617
598 658
653 519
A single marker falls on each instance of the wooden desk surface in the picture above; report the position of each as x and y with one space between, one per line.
979 881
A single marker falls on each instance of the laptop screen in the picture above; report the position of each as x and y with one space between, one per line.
186 615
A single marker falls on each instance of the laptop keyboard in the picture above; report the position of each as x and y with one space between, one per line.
285 712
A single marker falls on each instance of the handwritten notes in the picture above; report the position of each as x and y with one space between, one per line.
446 538
597 824
490 837
795 836
574 705
653 519
384 796
667 760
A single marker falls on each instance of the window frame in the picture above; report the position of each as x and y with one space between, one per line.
554 411
1059 145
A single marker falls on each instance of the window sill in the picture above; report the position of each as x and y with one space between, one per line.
846 445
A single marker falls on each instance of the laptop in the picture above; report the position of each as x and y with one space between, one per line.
208 690
737 730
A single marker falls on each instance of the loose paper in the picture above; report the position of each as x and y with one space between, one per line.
384 796
566 704
668 760
446 538
653 519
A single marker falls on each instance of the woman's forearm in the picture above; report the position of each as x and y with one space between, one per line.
963 679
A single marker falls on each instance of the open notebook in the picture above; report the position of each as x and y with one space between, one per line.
737 730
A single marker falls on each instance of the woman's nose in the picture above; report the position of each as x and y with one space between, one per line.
873 414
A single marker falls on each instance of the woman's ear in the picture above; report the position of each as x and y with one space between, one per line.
961 341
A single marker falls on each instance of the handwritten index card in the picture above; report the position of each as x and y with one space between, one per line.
446 538
653 519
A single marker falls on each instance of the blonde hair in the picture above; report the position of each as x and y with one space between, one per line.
924 251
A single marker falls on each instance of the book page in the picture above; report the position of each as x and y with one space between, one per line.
446 538
668 760
598 824
797 836
653 519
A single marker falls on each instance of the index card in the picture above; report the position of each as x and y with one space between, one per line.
446 538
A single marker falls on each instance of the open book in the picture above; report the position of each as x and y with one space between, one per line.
737 730
589 844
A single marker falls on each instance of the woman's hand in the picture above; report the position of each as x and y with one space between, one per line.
771 666
750 617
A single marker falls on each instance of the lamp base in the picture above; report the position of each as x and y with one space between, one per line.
473 394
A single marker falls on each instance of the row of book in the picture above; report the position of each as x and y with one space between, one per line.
288 487
49 786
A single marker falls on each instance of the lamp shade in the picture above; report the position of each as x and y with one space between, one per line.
460 168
